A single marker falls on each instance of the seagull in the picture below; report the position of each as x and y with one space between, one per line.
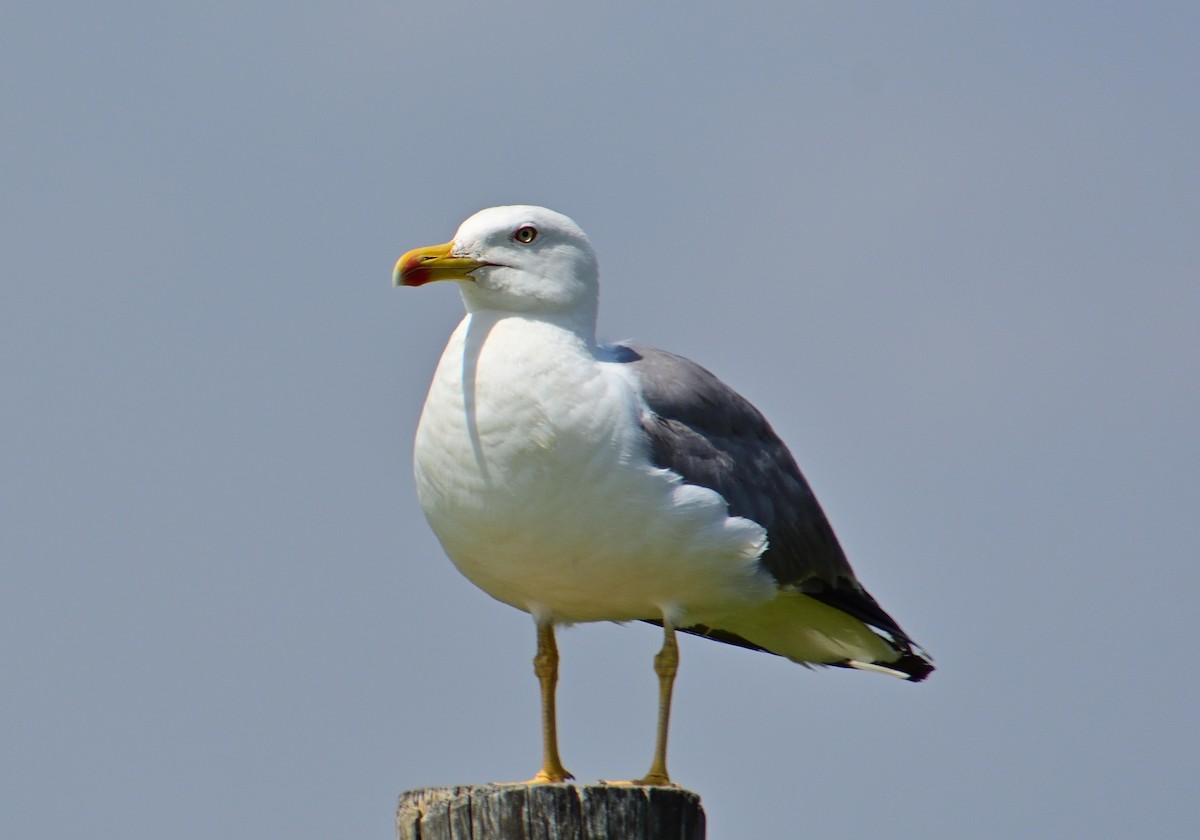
583 481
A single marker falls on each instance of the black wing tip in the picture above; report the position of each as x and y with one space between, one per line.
916 666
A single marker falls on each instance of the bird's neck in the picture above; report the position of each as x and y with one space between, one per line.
580 321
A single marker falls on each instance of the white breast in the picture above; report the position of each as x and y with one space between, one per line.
533 473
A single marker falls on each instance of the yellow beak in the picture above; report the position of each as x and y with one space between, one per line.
434 262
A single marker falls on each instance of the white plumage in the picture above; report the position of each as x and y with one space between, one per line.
534 473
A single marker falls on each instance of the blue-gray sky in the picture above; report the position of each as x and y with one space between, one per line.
951 250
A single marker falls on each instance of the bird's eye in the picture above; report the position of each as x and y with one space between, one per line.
525 234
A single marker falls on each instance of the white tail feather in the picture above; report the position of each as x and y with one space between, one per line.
879 669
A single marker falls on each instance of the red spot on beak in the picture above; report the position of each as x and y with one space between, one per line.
412 270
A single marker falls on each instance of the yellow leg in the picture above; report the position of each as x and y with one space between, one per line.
545 666
666 664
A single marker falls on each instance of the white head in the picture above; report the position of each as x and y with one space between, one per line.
522 259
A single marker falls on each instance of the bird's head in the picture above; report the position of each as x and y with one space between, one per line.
518 259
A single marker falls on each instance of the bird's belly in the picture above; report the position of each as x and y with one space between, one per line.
554 509
560 556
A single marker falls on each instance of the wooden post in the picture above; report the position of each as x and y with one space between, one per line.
550 812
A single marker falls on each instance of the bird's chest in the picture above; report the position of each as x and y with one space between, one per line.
513 428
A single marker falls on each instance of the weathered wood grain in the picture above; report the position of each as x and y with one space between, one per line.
550 812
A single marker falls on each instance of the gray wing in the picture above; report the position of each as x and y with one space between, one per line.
713 437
